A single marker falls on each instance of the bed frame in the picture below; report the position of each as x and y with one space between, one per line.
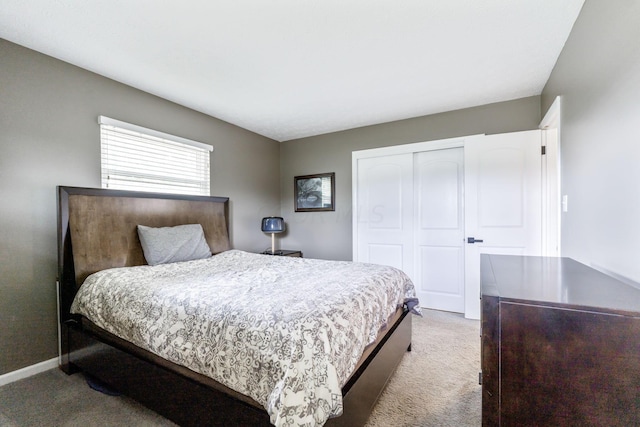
97 230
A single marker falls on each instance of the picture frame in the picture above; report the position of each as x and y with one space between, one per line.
314 193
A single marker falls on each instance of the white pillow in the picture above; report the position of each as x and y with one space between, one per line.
173 244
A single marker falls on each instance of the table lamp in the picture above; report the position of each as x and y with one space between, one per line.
273 225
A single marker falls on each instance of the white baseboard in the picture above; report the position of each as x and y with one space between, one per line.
28 371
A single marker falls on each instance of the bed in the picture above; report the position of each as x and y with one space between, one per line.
98 240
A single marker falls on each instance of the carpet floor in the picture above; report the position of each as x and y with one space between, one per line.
436 384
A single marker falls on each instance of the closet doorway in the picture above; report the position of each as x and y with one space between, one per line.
432 208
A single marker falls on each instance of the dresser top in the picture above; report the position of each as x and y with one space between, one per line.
556 281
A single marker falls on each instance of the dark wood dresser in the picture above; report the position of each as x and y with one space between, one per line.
560 344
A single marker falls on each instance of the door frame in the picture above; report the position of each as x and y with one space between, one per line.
551 190
550 187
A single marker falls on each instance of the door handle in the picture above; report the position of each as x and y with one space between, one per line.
474 240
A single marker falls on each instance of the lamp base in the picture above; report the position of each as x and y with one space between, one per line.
272 252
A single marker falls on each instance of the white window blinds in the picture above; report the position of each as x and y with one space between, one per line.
141 159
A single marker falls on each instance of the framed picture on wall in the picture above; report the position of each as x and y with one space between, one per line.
314 193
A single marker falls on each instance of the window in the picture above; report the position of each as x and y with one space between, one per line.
137 158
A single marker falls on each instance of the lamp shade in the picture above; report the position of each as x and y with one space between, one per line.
273 224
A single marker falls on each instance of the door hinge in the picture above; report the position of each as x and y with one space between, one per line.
544 150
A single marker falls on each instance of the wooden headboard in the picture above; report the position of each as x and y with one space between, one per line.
97 229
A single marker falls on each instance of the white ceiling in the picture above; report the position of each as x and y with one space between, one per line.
288 69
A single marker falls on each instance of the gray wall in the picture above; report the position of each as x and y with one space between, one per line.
49 136
598 77
328 235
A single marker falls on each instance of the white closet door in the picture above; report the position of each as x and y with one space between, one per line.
503 202
439 214
385 211
415 210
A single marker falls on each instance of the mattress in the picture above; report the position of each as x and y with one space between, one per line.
287 332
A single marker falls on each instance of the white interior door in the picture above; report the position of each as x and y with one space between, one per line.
503 202
439 228
384 211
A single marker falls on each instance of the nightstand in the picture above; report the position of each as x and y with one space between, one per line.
283 252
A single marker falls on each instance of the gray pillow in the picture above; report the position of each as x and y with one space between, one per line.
173 244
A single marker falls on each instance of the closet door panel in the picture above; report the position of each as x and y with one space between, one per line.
385 211
439 230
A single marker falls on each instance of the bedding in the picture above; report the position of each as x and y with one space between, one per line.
285 331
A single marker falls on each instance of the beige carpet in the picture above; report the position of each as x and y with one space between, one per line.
435 385
54 399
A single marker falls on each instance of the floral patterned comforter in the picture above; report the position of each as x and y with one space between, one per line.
285 331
